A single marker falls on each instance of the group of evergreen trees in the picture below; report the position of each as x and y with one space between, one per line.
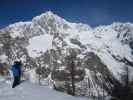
69 73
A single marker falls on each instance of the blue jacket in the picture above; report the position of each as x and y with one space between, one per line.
16 70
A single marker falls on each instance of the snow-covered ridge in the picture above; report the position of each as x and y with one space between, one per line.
114 38
99 38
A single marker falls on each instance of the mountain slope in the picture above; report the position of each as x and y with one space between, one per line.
103 51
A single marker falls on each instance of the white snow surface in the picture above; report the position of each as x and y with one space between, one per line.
28 91
39 44
3 58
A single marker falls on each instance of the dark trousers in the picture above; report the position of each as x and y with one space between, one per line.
16 81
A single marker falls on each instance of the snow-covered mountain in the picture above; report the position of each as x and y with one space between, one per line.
103 51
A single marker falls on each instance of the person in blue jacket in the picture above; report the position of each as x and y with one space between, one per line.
16 69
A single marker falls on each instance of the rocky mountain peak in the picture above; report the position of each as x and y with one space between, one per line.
48 38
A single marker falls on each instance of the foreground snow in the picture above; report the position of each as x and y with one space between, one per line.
28 91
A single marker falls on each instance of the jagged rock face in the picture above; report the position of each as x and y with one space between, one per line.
125 32
46 41
99 73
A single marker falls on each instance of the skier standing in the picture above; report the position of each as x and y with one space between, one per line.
16 69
